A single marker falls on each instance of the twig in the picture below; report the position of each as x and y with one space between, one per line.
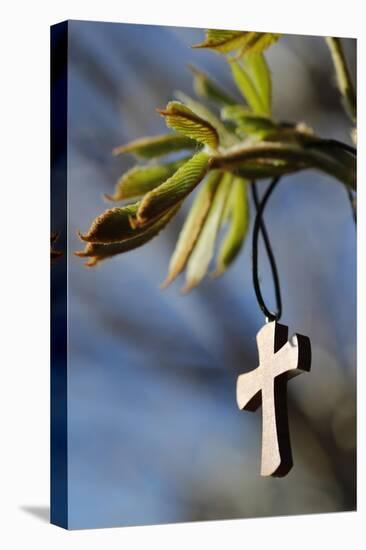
344 80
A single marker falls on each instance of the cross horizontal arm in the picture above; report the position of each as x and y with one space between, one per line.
294 357
248 390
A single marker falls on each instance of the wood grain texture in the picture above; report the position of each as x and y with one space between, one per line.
279 360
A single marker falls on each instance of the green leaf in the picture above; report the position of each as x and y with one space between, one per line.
247 87
205 87
224 41
141 179
181 118
238 209
259 72
259 42
192 226
248 122
113 225
226 137
228 41
174 189
226 214
156 146
97 251
203 251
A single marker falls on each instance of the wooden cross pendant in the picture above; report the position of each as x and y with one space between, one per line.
279 360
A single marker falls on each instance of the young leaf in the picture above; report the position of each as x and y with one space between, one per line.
226 214
257 126
141 179
112 226
98 251
174 189
226 137
247 87
223 41
259 72
259 42
192 226
156 146
227 41
248 122
181 118
203 251
207 88
238 208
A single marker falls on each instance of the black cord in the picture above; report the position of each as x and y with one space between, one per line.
260 226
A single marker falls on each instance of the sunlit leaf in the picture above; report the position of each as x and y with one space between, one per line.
181 118
226 137
157 146
238 212
247 87
205 87
247 42
224 41
258 70
113 225
192 226
141 179
226 214
249 122
174 189
260 42
97 251
203 251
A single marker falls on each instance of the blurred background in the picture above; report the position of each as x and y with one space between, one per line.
155 435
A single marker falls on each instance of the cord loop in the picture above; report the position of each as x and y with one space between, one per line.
259 226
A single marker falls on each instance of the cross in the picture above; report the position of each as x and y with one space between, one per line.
279 360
